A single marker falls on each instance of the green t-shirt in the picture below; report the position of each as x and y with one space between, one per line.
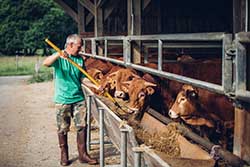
68 80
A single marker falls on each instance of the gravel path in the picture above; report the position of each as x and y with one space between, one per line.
28 126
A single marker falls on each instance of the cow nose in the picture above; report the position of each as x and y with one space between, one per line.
172 114
132 110
119 94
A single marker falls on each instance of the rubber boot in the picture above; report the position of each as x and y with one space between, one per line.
81 146
63 143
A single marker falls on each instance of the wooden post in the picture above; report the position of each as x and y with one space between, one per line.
81 18
98 20
134 8
129 17
242 134
239 15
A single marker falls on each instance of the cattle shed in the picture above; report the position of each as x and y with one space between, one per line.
135 32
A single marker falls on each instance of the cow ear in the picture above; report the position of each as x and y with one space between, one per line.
192 94
113 74
150 84
135 76
150 90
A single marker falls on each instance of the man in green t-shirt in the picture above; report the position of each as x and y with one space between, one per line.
69 98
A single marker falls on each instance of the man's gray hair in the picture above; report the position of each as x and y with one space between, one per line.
73 38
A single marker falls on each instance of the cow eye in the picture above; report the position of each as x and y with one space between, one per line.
181 99
130 78
193 95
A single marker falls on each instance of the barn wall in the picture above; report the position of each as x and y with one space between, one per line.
116 23
181 16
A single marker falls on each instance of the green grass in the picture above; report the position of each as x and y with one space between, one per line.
25 65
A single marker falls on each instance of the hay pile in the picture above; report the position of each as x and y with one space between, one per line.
166 142
118 110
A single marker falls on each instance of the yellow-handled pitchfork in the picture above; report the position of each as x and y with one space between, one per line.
82 70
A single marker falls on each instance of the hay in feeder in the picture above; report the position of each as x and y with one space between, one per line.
166 142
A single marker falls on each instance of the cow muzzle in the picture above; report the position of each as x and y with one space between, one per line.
172 114
132 110
119 94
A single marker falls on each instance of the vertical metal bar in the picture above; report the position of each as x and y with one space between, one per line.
145 54
241 67
160 55
137 160
126 51
84 46
246 17
101 121
88 122
124 133
105 48
227 65
93 46
132 18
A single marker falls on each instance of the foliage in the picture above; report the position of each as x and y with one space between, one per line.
21 65
41 77
24 24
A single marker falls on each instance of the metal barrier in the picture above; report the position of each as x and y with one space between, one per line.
241 79
123 138
224 42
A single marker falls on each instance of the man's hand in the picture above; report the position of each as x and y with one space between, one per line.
64 54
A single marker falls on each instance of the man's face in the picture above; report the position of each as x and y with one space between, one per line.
76 47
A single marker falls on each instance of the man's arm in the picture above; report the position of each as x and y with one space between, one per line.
51 59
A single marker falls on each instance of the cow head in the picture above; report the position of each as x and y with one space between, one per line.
184 104
96 74
139 91
116 79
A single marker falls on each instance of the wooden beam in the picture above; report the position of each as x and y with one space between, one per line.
159 17
134 26
88 5
89 18
98 20
101 3
239 16
112 4
137 17
134 17
242 134
129 17
145 3
67 9
81 17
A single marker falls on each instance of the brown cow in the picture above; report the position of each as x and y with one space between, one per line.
113 81
187 107
96 74
101 65
199 107
139 91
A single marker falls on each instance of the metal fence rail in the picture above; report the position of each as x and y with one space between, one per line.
224 42
241 92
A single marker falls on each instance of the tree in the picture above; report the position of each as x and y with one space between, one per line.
26 23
